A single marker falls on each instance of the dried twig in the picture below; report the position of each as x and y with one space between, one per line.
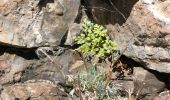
46 55
117 10
52 60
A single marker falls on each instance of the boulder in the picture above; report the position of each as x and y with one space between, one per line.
56 68
12 67
15 68
149 28
33 23
147 84
32 90
140 28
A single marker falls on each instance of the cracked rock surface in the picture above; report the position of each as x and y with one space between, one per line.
40 90
146 35
32 23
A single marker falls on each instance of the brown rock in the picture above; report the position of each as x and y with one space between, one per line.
147 83
165 95
31 23
55 68
11 67
143 33
39 90
3 65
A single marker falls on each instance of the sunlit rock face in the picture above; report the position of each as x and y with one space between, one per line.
145 36
32 23
160 9
151 46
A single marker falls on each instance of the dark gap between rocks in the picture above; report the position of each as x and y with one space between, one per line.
27 53
130 62
43 3
79 15
164 77
108 11
124 65
64 39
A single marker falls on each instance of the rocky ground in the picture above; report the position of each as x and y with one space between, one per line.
38 56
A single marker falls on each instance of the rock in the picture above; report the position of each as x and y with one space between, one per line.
32 23
148 1
12 68
151 46
144 83
145 35
147 83
54 69
76 67
143 32
35 90
109 12
73 31
165 95
160 10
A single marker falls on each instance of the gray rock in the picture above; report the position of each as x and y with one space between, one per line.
144 37
73 31
147 83
56 68
32 23
150 44
143 34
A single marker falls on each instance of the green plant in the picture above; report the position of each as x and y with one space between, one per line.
94 81
94 40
